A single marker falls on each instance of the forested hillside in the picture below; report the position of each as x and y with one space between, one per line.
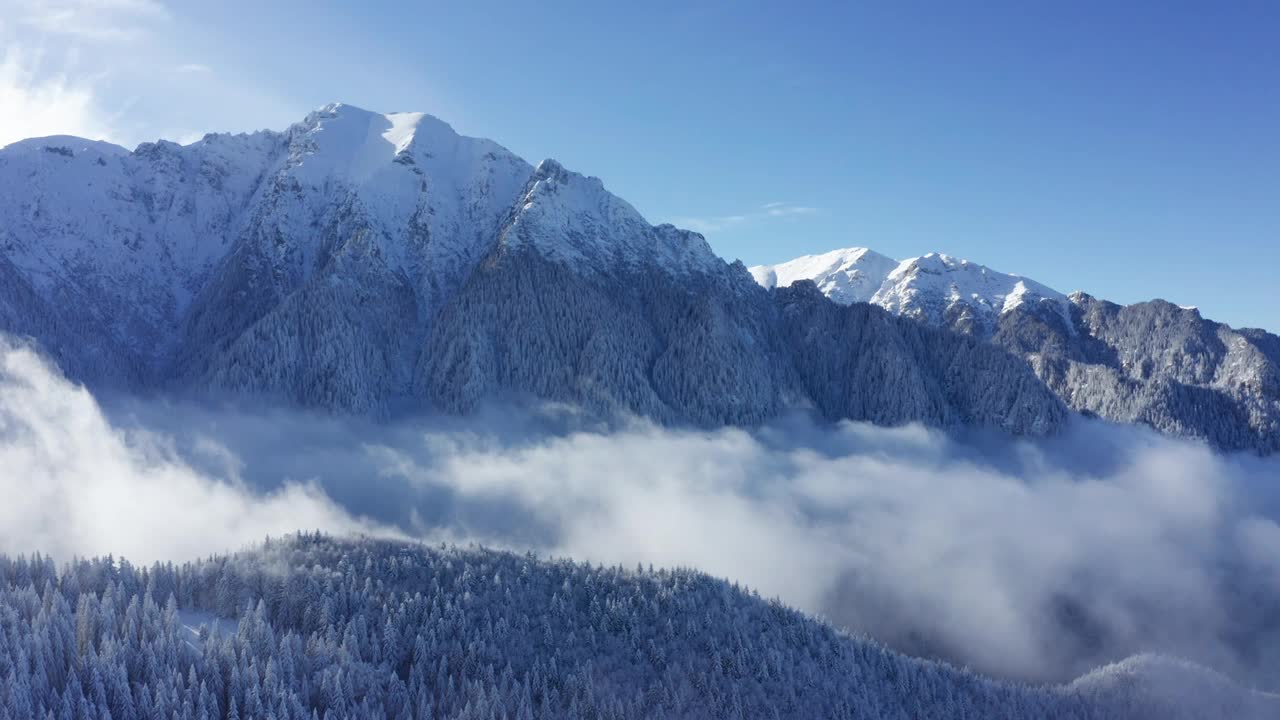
319 628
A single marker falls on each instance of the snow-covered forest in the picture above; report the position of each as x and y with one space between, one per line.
312 627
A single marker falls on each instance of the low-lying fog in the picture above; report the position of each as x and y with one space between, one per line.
1033 560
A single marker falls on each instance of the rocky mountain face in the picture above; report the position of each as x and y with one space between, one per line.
1153 363
361 262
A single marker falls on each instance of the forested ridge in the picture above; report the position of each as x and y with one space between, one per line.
322 628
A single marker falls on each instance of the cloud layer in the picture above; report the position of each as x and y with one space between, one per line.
90 20
1019 561
75 485
1029 560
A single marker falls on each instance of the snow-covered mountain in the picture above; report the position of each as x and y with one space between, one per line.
312 627
940 289
361 261
846 276
1154 363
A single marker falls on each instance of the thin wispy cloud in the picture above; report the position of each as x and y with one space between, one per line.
35 102
69 67
776 209
91 20
127 492
49 82
767 211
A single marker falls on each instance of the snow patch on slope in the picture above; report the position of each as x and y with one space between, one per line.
197 625
403 125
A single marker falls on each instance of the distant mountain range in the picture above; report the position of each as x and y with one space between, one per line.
1152 362
360 262
365 262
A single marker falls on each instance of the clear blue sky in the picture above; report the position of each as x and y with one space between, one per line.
1130 149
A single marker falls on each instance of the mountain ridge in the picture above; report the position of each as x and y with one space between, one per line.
929 286
359 260
1153 363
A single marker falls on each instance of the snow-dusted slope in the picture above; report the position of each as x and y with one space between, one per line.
567 217
427 199
130 237
1168 687
1153 363
958 293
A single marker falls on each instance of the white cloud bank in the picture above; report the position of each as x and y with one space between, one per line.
1036 570
1031 560
74 485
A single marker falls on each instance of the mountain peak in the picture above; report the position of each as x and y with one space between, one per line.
935 284
389 156
927 286
406 125
552 171
341 108
846 275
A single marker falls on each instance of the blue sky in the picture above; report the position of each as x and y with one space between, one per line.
1128 149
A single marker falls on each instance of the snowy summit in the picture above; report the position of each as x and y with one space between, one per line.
927 287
